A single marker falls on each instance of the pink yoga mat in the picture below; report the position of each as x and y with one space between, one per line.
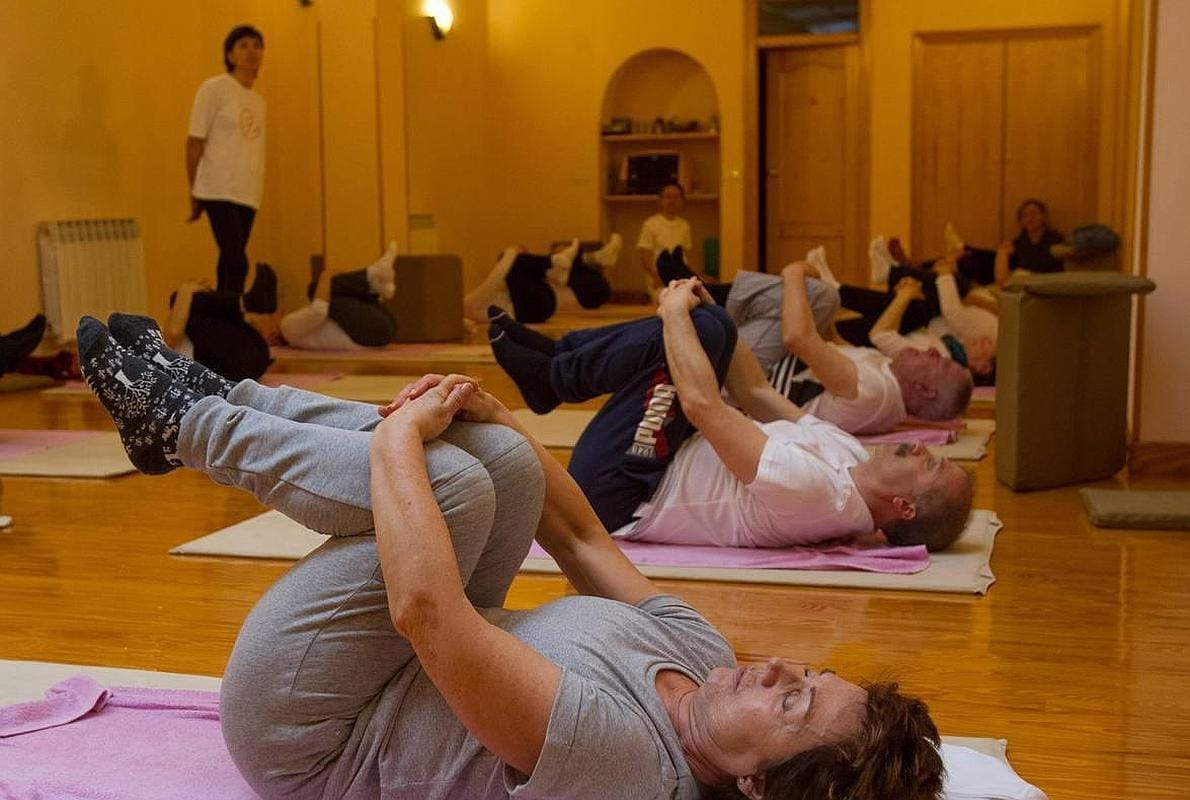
927 436
899 560
87 741
15 443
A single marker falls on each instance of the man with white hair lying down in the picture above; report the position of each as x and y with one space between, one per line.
667 459
859 389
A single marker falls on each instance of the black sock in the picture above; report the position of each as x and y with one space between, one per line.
146 405
16 346
262 297
141 337
526 337
528 368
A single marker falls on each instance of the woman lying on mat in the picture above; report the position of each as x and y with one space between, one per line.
225 331
382 664
529 285
348 315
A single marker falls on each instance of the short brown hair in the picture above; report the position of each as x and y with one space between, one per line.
940 517
895 755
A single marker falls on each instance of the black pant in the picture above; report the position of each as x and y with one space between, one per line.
871 303
623 454
671 266
232 225
358 311
534 300
222 340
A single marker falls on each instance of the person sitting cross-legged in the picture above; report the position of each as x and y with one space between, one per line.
383 663
667 459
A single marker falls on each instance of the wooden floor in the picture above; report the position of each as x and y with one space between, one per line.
1079 655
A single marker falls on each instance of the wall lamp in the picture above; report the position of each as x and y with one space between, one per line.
441 18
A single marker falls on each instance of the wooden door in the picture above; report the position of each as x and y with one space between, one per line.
999 117
958 116
813 158
1051 142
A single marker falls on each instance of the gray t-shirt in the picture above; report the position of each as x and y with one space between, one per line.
609 735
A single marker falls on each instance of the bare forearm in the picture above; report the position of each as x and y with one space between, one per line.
194 150
890 318
412 540
691 370
179 317
751 391
797 320
1003 270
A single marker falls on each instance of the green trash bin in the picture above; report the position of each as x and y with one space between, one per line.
710 256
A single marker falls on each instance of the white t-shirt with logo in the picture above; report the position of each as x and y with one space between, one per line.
230 118
803 493
877 408
660 234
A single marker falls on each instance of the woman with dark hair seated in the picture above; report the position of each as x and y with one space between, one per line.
226 332
529 285
383 664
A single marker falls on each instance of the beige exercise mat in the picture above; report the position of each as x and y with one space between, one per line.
559 428
99 455
268 535
972 444
379 389
964 567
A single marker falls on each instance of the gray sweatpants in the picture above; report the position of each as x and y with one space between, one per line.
314 657
754 304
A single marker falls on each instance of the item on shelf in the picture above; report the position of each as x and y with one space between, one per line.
647 172
618 126
680 125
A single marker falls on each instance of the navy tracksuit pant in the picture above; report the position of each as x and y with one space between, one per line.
623 454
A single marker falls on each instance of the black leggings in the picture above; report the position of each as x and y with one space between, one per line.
222 340
674 268
358 312
872 302
534 300
232 225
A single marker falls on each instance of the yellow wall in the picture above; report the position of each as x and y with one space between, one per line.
96 103
888 41
1165 371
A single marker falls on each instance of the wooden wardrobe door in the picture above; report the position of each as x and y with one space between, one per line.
812 157
958 117
1051 125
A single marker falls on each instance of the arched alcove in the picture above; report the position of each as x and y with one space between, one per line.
670 86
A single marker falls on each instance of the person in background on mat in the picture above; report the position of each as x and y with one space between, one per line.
225 154
530 286
365 672
909 316
226 332
859 389
15 347
667 232
667 459
351 317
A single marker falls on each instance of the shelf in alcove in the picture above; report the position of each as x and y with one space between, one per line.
642 198
660 137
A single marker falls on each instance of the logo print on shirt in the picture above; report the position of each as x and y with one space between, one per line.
650 440
249 127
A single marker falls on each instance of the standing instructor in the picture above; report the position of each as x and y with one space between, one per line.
225 153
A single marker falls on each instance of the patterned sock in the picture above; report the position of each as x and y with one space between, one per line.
141 337
262 297
528 368
526 337
146 405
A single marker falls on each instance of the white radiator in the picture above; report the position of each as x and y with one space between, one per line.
90 266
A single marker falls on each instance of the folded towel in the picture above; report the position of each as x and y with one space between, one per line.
132 744
64 702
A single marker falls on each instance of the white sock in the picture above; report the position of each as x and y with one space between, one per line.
560 264
607 255
816 257
382 279
953 240
880 260
564 258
